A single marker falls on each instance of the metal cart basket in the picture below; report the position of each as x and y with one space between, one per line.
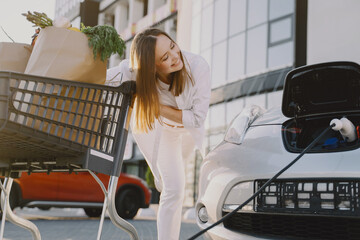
49 124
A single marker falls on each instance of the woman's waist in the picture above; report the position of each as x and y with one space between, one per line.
169 123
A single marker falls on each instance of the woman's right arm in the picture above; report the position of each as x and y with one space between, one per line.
121 73
196 115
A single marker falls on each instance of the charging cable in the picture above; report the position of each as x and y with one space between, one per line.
266 184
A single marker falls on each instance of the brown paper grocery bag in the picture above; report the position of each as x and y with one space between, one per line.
65 54
14 56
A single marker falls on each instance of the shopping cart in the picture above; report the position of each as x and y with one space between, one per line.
49 125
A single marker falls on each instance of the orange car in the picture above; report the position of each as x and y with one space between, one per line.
79 190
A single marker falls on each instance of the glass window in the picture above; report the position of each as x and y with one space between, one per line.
219 65
207 122
256 49
237 16
279 8
236 57
217 116
132 169
280 30
258 100
215 140
195 34
233 108
207 56
206 27
282 54
257 12
220 20
274 99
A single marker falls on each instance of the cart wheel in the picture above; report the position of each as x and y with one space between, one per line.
127 203
93 212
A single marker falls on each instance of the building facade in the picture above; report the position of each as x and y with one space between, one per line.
250 45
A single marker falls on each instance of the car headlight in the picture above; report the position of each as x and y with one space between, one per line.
238 127
203 215
238 195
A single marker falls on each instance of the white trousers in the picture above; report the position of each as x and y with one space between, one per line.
171 168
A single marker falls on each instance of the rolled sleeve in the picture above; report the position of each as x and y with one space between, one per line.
196 115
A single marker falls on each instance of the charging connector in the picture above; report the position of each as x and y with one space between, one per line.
345 127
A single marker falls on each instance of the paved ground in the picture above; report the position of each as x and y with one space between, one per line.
73 224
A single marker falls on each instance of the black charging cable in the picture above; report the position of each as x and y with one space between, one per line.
265 185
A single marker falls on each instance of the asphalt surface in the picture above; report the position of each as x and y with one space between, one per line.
73 224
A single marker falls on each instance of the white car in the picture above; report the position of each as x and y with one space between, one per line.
316 198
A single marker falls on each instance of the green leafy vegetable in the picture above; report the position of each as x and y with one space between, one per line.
39 19
104 41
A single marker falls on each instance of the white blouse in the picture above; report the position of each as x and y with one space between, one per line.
194 103
168 99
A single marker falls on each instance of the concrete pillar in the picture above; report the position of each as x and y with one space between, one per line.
184 21
159 3
121 18
101 19
151 6
136 10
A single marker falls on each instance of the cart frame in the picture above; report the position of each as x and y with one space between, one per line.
49 124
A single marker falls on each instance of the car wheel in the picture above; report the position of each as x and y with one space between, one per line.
93 212
127 203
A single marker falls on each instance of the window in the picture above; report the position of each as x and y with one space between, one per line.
207 55
274 99
237 16
217 116
236 57
259 100
219 65
282 54
215 140
195 34
239 38
256 49
280 30
220 22
206 27
279 8
233 108
257 13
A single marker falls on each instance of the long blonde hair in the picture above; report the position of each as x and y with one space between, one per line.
142 60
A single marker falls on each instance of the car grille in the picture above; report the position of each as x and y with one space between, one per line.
305 208
337 197
295 226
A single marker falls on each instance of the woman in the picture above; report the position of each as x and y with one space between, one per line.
172 100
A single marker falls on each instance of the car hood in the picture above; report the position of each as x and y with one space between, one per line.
322 89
